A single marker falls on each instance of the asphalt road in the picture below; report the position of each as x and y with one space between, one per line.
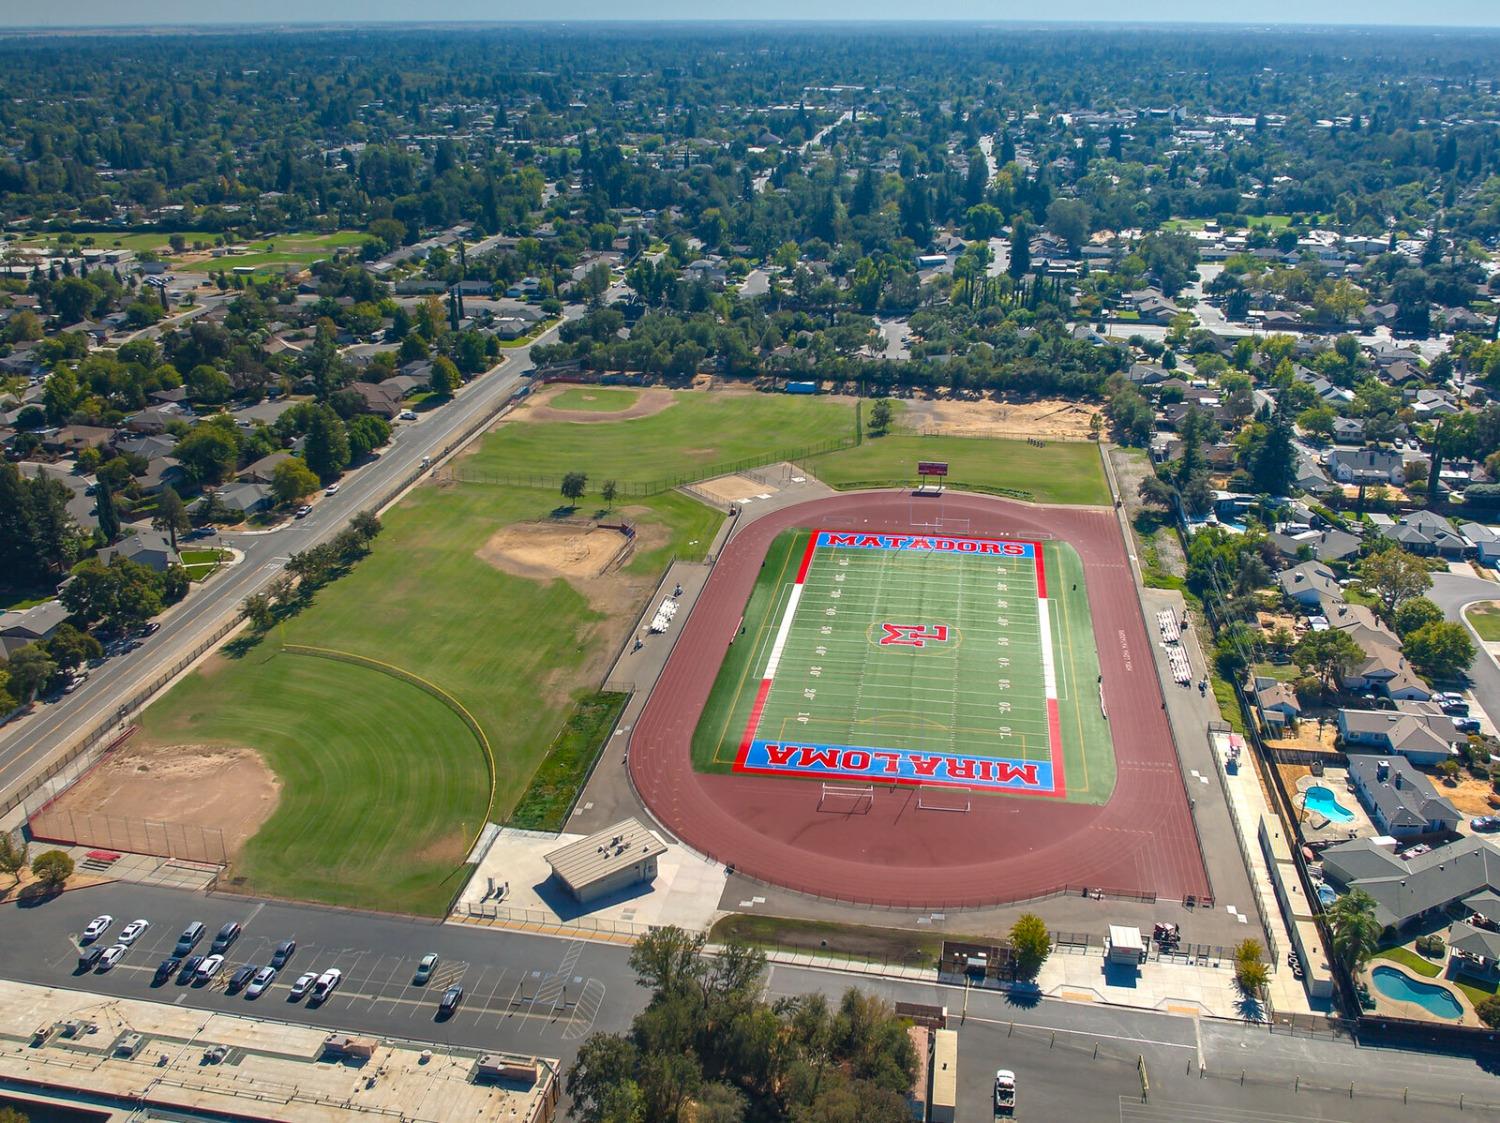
1450 592
541 995
27 742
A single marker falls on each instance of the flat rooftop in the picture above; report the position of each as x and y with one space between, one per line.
117 1055
618 847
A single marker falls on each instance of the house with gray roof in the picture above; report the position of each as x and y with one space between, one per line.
1466 941
1418 736
1406 889
30 625
1367 466
1486 541
1400 800
1312 585
1348 431
1324 545
1425 533
149 547
247 497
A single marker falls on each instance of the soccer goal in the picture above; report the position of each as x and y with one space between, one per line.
958 804
847 799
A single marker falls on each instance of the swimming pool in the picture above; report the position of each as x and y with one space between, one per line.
1322 800
1400 986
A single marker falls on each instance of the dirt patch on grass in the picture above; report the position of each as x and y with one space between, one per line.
228 788
1047 419
544 551
537 407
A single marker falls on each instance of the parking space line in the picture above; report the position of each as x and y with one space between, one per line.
385 986
485 1008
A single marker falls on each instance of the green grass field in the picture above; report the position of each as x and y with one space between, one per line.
283 249
696 433
976 690
595 399
1485 619
382 786
1058 472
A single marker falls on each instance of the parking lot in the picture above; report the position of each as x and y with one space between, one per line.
525 994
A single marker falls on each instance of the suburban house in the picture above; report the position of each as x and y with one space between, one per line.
1423 532
264 469
1277 702
249 498
1324 545
1400 800
1486 542
27 626
378 398
1151 306
150 548
1406 889
1348 431
1408 732
1367 466
1383 667
1312 585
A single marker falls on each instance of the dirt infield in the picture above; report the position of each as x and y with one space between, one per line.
1047 419
536 407
212 786
543 551
1007 848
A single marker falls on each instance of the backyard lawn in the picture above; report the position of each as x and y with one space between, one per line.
1057 472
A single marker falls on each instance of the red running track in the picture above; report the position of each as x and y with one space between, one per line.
1008 848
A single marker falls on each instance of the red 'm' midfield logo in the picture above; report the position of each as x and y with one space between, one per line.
913 635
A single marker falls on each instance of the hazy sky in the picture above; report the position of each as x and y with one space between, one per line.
74 13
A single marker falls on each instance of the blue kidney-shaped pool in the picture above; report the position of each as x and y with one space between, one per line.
1324 802
1402 987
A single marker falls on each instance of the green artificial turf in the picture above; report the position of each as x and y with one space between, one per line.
980 691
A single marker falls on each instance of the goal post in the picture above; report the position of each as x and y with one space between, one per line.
959 804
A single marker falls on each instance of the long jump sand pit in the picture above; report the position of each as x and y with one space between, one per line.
539 407
1046 419
223 788
734 489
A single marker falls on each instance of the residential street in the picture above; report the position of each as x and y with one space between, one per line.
1450 592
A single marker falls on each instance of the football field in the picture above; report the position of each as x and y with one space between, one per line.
926 659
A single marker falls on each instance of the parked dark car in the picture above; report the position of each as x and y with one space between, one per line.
190 967
448 1005
282 953
242 976
165 970
88 958
227 935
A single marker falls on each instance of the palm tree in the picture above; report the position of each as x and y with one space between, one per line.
1356 932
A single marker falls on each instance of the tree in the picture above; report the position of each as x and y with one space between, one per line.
1020 251
445 377
1489 1011
880 417
1157 492
104 510
1395 576
1031 943
52 868
1249 971
572 486
257 609
1439 650
171 514
12 855
70 648
1416 613
31 668
1069 219
291 480
1330 655
608 493
367 432
209 452
1273 460
327 447
1356 932
123 593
